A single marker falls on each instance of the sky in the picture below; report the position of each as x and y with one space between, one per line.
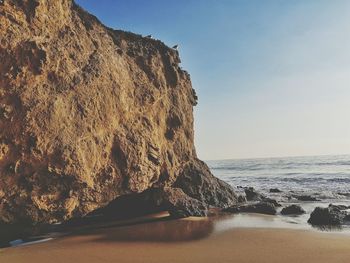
272 76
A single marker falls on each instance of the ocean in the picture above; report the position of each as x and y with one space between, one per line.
325 177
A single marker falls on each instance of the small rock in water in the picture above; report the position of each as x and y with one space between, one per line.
344 194
260 208
339 207
275 190
252 194
271 201
306 198
328 216
293 210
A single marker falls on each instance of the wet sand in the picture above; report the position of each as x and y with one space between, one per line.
187 240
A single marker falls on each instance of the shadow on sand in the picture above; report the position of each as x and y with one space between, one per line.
152 228
170 230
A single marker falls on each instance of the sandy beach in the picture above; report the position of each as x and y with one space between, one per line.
187 240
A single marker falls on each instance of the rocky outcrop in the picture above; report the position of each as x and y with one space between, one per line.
89 114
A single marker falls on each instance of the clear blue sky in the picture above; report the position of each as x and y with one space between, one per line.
273 77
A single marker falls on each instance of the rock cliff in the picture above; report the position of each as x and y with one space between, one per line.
89 114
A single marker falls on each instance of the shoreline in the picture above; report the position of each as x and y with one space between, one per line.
189 240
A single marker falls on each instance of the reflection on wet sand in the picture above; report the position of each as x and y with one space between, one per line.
162 228
159 231
158 227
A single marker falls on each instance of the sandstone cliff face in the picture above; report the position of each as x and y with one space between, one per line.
89 114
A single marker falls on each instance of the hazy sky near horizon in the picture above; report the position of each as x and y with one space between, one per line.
273 76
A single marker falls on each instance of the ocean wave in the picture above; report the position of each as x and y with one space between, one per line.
321 176
315 180
339 180
282 164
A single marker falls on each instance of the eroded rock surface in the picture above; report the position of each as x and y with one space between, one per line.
89 114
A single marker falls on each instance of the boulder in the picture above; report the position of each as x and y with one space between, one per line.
328 216
89 115
196 180
293 210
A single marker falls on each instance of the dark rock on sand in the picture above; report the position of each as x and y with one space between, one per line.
170 199
179 204
293 210
327 216
196 180
260 208
275 190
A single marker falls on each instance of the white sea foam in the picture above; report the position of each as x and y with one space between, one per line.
327 177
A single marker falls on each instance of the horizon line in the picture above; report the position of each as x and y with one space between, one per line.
277 157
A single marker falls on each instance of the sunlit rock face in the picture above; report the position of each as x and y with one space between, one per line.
89 114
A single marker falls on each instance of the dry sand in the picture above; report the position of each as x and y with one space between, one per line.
186 240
